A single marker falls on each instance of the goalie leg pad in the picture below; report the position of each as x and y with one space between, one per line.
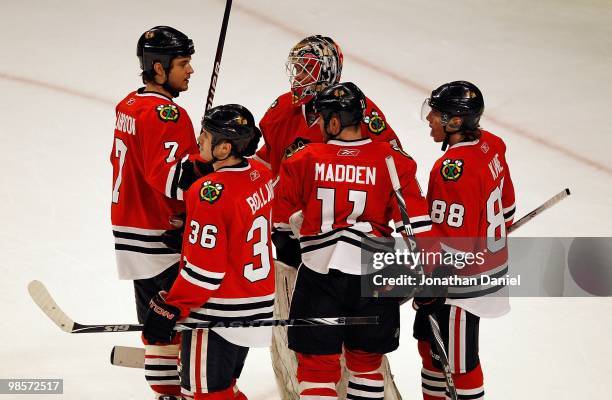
284 360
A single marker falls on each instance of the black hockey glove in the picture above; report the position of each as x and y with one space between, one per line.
160 321
191 171
287 248
436 298
173 238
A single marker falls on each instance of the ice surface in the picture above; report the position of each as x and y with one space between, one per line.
544 68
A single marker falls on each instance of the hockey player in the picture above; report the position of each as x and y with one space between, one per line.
471 198
226 271
152 134
314 63
345 194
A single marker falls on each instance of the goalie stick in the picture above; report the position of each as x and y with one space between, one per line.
44 300
134 356
435 328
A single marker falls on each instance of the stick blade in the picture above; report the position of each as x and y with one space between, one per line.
41 296
130 357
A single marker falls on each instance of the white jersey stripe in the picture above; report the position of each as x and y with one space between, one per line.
204 272
241 300
138 231
198 282
451 338
462 332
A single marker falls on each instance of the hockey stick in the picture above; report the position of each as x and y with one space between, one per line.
130 357
435 328
45 302
133 357
217 66
548 204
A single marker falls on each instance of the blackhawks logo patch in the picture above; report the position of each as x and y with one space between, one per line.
168 112
210 192
375 123
451 169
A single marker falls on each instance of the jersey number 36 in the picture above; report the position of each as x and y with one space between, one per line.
206 236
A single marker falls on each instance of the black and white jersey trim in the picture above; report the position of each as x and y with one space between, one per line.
174 175
228 310
419 224
201 277
509 212
147 241
466 291
347 235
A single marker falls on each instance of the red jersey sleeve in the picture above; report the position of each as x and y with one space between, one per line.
289 196
376 125
205 253
508 200
263 155
413 195
170 138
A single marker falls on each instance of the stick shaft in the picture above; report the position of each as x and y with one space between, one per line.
217 65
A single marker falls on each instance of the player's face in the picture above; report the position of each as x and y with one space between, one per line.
304 71
205 145
180 72
435 123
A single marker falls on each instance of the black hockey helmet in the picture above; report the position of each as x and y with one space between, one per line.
456 99
233 123
344 99
162 44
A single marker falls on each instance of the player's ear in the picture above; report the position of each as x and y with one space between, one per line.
159 72
225 148
455 123
335 125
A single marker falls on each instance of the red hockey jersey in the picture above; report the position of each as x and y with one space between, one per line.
345 193
471 198
226 269
152 135
286 128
